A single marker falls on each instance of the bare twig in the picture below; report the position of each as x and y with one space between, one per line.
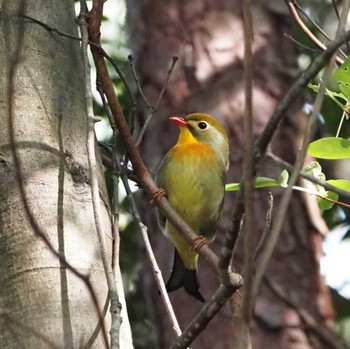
114 165
344 115
151 110
266 231
248 168
210 309
113 294
337 14
137 81
232 233
156 270
301 44
285 165
315 24
306 30
282 110
242 315
105 54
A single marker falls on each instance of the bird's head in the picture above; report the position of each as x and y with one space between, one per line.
200 127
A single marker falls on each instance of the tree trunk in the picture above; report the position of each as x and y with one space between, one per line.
207 37
43 303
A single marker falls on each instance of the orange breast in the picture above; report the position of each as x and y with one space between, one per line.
194 152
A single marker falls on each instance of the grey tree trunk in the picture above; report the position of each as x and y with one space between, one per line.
42 303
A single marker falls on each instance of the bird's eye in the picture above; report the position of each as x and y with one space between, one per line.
202 125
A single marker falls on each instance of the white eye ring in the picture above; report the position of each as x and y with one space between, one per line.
202 125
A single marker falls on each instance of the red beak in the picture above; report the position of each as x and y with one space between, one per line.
179 121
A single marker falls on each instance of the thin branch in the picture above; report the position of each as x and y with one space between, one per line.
107 265
300 9
301 44
51 29
105 54
285 165
337 14
151 110
248 171
210 309
232 233
265 234
156 270
137 81
343 117
283 205
282 110
335 9
115 181
306 30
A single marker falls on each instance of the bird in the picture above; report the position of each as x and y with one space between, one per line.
192 175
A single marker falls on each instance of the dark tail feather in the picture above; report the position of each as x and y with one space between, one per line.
182 277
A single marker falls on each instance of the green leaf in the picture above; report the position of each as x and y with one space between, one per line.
324 204
263 182
315 170
342 78
340 183
232 187
283 178
331 94
330 148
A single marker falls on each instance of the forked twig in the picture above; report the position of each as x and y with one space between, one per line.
151 110
306 30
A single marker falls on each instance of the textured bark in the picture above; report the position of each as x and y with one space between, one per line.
42 304
207 36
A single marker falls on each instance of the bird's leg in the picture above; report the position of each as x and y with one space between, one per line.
198 243
157 195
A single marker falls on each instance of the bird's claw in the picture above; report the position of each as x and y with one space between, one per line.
157 195
198 243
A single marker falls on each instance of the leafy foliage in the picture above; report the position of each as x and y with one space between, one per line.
331 148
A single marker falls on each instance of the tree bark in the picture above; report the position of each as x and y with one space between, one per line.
43 304
207 37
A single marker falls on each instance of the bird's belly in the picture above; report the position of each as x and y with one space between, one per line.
198 198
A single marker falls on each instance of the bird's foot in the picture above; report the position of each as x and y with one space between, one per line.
157 195
198 243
